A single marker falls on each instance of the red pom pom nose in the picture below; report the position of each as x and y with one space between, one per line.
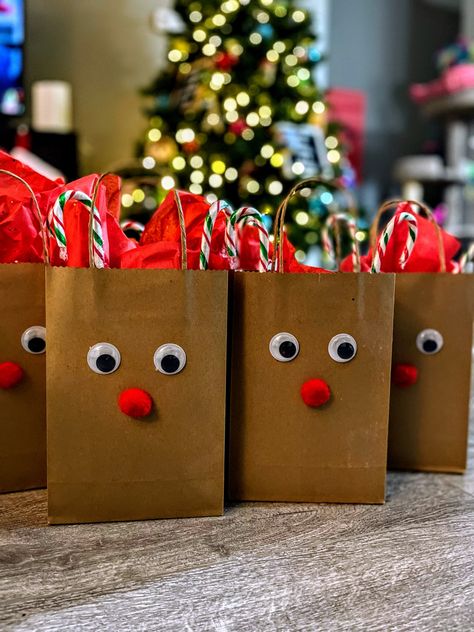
404 375
135 403
315 393
11 374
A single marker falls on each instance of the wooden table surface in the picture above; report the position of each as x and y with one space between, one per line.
407 565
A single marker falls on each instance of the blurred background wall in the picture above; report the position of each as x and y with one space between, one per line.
108 57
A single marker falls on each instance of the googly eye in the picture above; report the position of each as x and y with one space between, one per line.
33 340
284 347
169 359
429 341
103 358
342 348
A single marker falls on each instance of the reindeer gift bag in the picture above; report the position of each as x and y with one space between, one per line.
310 380
23 252
136 388
432 341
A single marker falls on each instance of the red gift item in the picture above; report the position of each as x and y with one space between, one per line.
164 227
76 216
20 236
425 256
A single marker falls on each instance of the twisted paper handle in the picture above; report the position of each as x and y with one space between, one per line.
220 206
248 215
56 225
332 224
386 236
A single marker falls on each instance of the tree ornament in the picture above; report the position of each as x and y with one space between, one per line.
163 150
238 127
226 61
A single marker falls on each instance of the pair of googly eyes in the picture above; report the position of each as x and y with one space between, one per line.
105 358
284 347
429 341
33 340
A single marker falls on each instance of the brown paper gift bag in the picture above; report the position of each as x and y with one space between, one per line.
428 428
102 464
288 329
22 347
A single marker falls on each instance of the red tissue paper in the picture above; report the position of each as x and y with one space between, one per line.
160 244
20 237
425 254
76 224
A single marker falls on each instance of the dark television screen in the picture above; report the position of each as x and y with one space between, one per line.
12 37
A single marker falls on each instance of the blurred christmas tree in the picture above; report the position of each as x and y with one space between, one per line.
237 115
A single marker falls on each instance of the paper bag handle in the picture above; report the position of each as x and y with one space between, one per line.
281 213
429 215
39 217
92 245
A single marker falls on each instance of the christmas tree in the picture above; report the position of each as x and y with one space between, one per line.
237 114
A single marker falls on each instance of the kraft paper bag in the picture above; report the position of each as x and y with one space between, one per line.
102 464
136 386
287 332
23 403
429 419
429 406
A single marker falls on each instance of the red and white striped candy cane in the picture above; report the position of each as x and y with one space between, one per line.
386 236
327 243
219 206
129 224
248 215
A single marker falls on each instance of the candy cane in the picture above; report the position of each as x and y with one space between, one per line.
209 221
386 236
249 215
129 224
327 242
466 259
56 220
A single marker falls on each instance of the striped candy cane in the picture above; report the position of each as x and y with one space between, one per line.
466 259
386 236
248 215
220 206
56 221
327 242
129 224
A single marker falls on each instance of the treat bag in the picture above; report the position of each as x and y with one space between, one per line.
310 380
22 360
432 342
136 392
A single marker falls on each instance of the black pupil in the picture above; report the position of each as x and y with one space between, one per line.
170 363
105 363
36 345
345 350
430 346
287 349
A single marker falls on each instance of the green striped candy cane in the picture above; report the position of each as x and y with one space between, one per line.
386 236
219 206
327 242
56 224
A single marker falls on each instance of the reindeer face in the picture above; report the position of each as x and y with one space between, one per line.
136 411
431 369
22 377
310 387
